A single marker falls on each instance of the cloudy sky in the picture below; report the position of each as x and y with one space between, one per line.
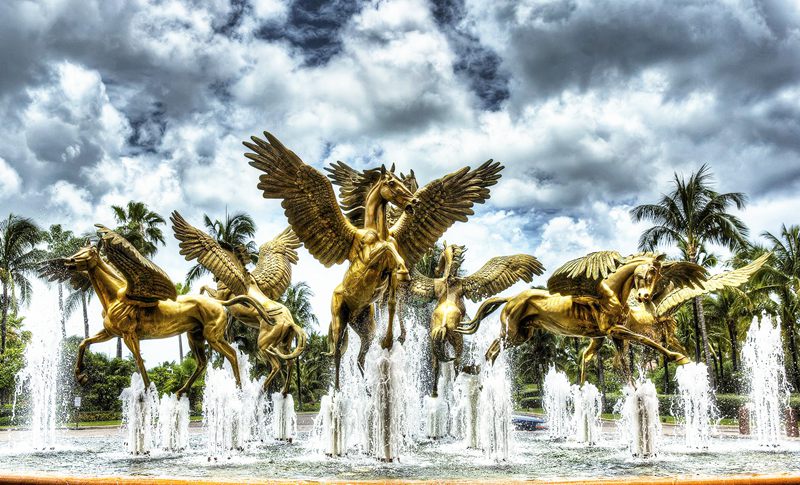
590 105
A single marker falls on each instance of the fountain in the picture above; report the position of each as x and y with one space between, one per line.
284 418
39 378
695 404
466 415
437 410
556 400
494 406
173 423
640 425
762 360
140 408
588 406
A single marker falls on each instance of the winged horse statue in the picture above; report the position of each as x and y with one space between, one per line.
268 281
379 254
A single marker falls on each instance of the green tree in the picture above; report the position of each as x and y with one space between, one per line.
60 244
13 359
297 298
18 259
236 230
141 227
690 216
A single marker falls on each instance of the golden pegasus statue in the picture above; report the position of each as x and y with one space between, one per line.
140 303
656 318
379 254
449 289
588 297
268 281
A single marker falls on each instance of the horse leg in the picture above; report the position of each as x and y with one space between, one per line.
340 314
435 362
101 336
621 332
588 354
229 353
274 367
132 342
197 345
457 341
366 332
388 338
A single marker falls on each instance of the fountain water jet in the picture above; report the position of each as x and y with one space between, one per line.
588 406
640 425
140 408
173 423
438 410
495 410
40 378
762 360
556 401
695 404
284 418
468 392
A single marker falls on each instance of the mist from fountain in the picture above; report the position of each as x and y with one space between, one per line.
39 380
763 365
640 424
557 403
694 406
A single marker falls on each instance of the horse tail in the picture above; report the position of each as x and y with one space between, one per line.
301 337
247 300
487 308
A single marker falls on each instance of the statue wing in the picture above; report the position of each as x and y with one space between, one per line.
351 192
671 300
422 286
499 273
273 273
223 264
440 204
57 270
146 282
307 199
581 276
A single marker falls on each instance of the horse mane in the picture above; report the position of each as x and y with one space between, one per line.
354 195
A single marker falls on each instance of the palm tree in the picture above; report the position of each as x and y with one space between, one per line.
297 299
690 216
238 229
140 226
18 258
181 289
60 243
73 300
782 278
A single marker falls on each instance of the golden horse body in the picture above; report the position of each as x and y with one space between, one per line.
449 290
596 291
140 303
379 255
265 284
655 319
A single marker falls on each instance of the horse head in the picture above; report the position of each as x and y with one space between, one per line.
393 189
645 278
84 259
450 261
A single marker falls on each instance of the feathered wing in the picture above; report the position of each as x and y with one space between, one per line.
273 273
440 204
581 276
499 273
57 270
146 282
422 286
671 300
307 199
352 193
223 264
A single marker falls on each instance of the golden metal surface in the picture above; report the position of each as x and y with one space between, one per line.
140 303
592 300
449 290
379 254
272 275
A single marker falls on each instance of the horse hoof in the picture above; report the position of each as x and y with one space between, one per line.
682 360
82 379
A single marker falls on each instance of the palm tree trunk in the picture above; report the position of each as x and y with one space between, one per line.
721 360
85 316
119 347
701 322
790 334
734 344
61 311
5 318
666 374
180 348
601 377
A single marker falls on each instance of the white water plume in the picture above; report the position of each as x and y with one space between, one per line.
695 404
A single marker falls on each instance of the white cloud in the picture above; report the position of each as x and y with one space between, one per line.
10 182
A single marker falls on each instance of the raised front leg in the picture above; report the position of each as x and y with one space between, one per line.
588 354
620 332
336 331
388 338
101 336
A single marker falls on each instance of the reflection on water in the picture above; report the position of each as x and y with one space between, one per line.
534 456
